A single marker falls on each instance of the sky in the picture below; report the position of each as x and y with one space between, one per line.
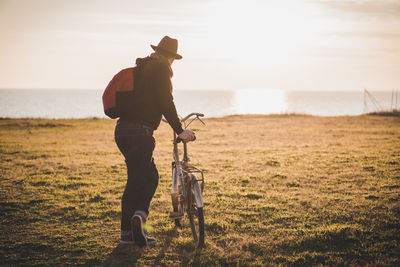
226 44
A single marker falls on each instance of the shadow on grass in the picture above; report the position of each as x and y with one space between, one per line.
169 236
129 254
124 255
190 255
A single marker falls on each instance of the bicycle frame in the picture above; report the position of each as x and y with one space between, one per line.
181 171
186 192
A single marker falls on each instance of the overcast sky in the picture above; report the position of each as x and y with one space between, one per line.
226 44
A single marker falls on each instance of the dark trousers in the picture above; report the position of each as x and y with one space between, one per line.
136 143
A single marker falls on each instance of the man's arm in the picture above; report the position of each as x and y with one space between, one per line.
165 99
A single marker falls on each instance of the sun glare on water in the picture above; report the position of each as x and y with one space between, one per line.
259 101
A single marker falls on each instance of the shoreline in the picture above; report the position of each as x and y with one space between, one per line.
394 113
86 104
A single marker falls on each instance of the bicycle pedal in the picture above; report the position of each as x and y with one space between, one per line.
175 215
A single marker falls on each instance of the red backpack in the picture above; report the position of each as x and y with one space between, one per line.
117 97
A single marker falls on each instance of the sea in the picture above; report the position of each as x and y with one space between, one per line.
46 103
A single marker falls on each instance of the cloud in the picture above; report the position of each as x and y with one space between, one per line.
366 34
372 23
369 8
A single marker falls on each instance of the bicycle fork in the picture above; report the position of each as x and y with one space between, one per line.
177 192
177 178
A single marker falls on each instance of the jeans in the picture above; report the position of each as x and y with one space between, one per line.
136 143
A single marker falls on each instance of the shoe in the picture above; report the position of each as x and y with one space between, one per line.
150 240
127 239
138 235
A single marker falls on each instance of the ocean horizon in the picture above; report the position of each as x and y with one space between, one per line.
86 103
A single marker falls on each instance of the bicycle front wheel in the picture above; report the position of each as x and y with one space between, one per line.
195 213
177 203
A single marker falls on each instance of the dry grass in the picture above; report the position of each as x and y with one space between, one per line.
285 189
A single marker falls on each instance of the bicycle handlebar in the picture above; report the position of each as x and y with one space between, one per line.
187 117
192 114
178 139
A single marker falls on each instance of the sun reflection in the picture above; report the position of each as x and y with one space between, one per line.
259 101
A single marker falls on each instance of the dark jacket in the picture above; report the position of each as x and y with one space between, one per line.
152 96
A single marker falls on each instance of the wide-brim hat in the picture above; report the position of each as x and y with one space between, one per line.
167 46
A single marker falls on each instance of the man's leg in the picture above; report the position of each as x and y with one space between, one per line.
140 188
139 192
127 208
149 188
142 203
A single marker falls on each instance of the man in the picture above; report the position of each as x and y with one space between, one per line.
134 136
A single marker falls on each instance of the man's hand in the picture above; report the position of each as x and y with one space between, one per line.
187 135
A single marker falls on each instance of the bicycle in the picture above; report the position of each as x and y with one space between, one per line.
186 190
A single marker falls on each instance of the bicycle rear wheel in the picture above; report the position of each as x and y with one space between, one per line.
195 214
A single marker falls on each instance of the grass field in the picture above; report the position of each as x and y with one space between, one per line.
281 190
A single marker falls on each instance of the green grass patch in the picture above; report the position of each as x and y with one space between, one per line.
325 194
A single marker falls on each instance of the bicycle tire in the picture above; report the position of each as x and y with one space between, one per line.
197 228
180 207
177 221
